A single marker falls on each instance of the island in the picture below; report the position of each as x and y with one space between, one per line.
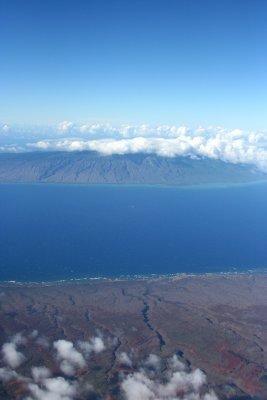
102 338
94 168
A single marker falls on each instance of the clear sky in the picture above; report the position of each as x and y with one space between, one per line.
185 62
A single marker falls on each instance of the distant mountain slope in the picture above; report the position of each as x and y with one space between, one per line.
89 167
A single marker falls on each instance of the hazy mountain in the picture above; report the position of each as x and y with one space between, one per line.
89 167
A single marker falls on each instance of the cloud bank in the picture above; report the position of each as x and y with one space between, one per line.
234 146
229 145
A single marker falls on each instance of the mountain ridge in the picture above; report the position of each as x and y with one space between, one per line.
93 168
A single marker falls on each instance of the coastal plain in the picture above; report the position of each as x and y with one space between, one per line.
214 322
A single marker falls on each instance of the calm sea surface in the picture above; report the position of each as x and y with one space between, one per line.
50 232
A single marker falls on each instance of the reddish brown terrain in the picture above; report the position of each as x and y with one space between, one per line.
217 324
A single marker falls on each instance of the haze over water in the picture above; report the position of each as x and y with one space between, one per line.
51 232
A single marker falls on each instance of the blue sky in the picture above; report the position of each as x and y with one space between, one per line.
183 62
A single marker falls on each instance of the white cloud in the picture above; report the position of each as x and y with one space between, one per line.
125 359
175 364
65 126
70 358
233 146
7 374
19 339
5 129
58 389
153 361
11 356
156 379
179 386
41 384
53 389
171 383
34 334
99 129
11 148
94 345
40 373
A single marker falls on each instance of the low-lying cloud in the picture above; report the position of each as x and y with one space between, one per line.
147 378
173 383
125 359
229 145
11 355
4 129
41 384
70 359
94 345
7 374
53 389
178 386
234 146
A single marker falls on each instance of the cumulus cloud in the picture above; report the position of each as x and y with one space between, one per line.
159 379
98 129
19 339
125 359
180 385
65 126
5 129
53 389
43 341
154 378
175 364
58 388
153 361
41 384
70 359
7 374
232 145
128 131
40 373
34 334
235 146
11 355
94 345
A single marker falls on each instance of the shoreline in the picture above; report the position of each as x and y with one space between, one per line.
133 278
211 185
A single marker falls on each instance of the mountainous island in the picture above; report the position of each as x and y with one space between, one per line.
94 168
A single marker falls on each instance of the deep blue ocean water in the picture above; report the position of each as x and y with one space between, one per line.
51 232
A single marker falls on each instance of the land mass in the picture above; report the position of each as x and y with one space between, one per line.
216 323
93 168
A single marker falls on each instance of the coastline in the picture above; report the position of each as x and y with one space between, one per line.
215 185
135 278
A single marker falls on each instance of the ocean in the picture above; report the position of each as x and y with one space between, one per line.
61 232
